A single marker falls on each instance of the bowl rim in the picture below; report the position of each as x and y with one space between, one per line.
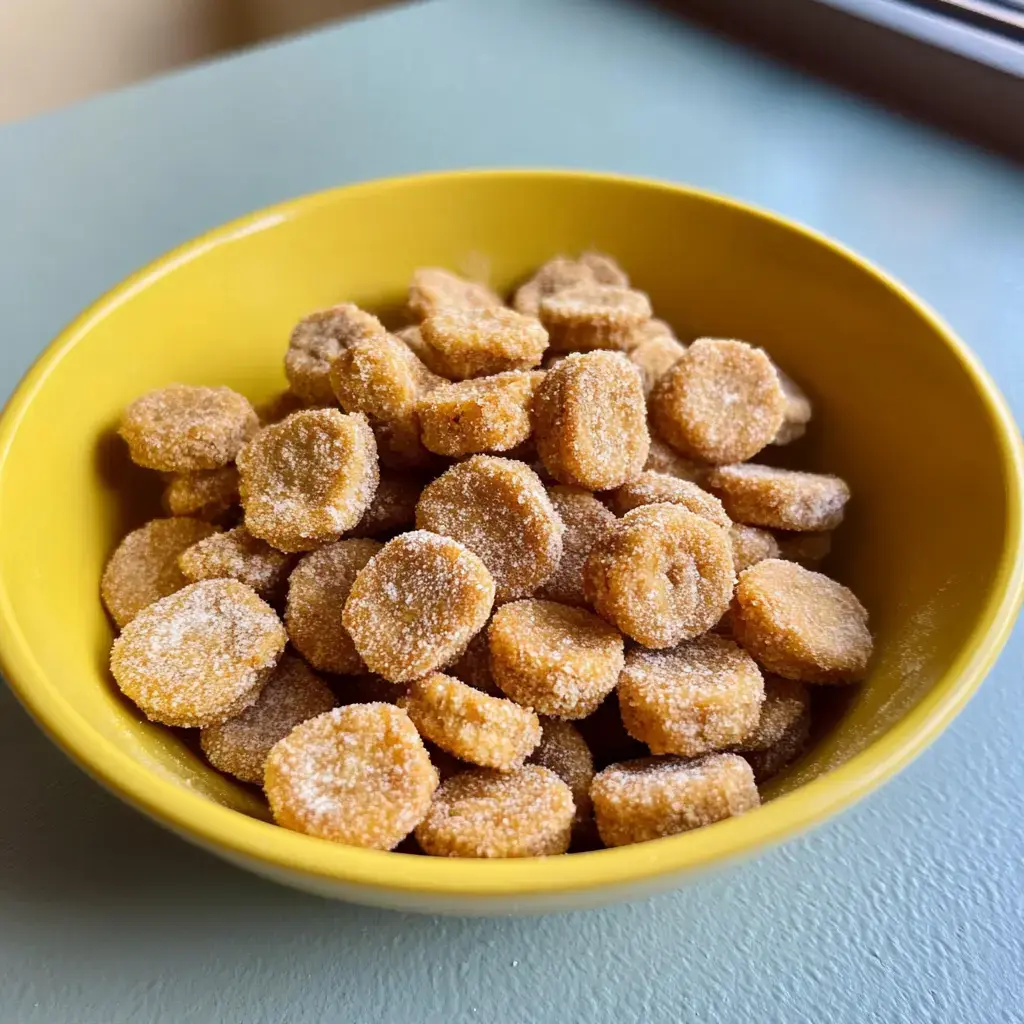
262 844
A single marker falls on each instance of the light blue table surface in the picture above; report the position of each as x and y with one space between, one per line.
910 907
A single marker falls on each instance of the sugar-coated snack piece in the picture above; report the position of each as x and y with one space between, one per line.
661 574
561 272
703 695
416 605
800 624
563 749
590 421
308 479
237 555
358 775
603 268
663 458
782 499
586 317
382 379
488 731
786 701
205 494
648 488
481 342
499 509
651 330
486 813
292 694
199 656
487 414
721 402
751 545
474 666
809 549
655 355
393 506
585 519
317 591
560 660
798 410
182 428
769 762
663 796
144 566
434 289
318 340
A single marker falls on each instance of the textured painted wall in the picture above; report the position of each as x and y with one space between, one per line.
906 909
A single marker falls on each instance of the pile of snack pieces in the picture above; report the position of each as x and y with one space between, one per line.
504 543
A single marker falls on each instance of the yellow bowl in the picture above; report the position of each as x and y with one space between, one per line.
904 412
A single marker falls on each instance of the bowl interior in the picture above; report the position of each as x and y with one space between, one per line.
898 413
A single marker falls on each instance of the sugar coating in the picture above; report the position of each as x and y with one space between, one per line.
786 702
800 624
751 545
382 379
144 566
586 317
585 519
474 666
560 660
654 354
798 410
485 813
358 775
317 591
563 749
808 549
308 479
649 488
661 574
562 272
434 289
481 415
182 428
205 494
663 458
499 509
416 605
392 507
590 421
650 330
412 338
238 555
488 731
782 499
199 656
318 340
703 695
721 402
769 762
240 745
662 796
480 342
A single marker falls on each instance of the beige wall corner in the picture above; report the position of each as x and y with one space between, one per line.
55 51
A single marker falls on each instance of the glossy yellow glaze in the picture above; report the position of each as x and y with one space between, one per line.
932 543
